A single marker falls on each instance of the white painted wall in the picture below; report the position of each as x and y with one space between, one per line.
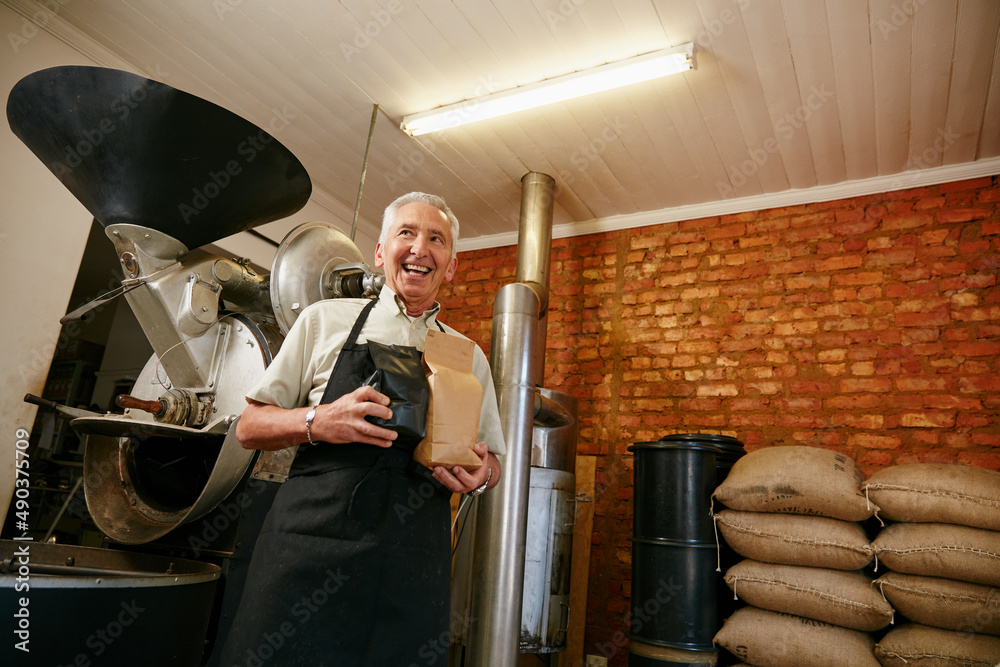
43 231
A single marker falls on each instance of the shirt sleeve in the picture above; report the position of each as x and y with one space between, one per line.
287 381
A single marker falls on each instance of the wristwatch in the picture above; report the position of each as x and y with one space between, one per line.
478 490
309 420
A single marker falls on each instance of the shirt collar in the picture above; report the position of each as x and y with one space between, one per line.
390 299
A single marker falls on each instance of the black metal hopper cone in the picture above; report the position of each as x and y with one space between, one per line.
137 151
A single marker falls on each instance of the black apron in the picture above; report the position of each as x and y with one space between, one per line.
352 565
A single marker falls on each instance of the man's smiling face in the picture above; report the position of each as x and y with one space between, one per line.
417 255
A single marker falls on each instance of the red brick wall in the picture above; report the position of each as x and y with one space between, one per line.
868 325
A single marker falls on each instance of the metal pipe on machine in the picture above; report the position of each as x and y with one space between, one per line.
516 354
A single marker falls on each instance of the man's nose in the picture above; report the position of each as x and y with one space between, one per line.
418 246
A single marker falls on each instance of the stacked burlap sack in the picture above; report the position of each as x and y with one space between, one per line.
941 547
796 515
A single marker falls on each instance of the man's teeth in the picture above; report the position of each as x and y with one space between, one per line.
414 267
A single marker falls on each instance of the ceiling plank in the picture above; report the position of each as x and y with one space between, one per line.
850 44
989 141
931 66
809 35
772 55
976 37
712 143
891 35
733 57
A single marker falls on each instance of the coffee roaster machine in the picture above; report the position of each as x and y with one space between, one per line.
165 173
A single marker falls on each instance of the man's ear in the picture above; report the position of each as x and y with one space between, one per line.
379 261
450 273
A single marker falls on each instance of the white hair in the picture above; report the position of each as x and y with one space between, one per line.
389 217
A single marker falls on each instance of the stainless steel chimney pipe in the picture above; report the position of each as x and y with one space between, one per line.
534 241
516 358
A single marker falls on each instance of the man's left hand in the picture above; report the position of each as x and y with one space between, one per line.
460 480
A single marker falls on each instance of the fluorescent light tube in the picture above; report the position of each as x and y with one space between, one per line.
598 79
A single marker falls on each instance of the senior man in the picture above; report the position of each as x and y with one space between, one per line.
352 565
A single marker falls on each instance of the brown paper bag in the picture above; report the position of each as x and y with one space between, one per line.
453 411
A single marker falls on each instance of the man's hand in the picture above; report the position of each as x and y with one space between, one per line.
344 419
460 480
269 427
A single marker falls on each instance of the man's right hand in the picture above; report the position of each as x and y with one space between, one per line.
344 419
269 427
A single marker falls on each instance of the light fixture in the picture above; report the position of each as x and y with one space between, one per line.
598 79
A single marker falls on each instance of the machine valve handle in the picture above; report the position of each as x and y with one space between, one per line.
155 408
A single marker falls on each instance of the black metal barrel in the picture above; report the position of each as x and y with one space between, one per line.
675 554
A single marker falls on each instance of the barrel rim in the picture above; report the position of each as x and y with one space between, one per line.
675 645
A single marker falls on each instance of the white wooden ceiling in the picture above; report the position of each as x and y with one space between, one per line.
798 99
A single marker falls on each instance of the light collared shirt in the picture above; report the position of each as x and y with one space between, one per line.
298 375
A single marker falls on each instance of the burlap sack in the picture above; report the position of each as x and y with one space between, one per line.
940 550
767 638
915 645
838 597
790 539
938 493
943 603
796 480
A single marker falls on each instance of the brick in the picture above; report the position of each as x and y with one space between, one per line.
852 401
970 184
973 349
718 390
901 222
865 385
839 263
939 318
927 419
890 257
870 441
